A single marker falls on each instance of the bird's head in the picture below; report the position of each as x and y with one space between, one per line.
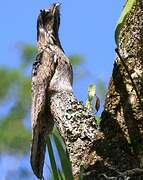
48 24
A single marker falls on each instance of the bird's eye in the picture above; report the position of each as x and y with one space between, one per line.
41 10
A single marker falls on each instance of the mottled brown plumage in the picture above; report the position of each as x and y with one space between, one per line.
52 73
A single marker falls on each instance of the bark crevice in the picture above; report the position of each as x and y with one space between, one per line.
116 150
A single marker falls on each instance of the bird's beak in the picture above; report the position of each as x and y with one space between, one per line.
55 7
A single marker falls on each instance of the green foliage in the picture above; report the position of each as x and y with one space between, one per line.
81 173
91 95
28 53
128 6
52 160
65 172
98 120
76 59
15 137
64 158
8 81
15 87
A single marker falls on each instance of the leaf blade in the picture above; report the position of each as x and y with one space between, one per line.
52 159
126 10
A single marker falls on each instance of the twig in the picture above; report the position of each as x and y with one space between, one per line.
127 70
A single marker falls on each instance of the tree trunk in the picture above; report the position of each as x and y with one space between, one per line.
115 150
122 118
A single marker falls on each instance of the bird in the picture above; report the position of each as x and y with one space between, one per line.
51 73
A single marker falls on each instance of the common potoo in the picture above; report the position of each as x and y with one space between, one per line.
51 74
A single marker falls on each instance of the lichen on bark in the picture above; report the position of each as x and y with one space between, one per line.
115 150
122 118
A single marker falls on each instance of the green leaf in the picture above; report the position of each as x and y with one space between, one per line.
64 158
91 94
127 8
14 137
61 175
81 173
88 104
76 59
52 159
98 120
9 78
24 93
28 53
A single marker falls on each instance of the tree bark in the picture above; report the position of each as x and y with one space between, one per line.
116 148
122 118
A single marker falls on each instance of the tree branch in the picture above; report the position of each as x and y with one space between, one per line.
109 152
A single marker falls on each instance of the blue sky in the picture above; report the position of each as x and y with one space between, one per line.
87 28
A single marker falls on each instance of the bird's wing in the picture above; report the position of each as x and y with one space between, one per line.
42 73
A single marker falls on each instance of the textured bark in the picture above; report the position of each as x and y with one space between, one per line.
78 129
51 72
122 119
116 150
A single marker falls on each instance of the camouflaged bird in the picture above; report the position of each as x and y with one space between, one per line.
52 73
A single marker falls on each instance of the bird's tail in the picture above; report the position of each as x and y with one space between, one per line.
38 149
